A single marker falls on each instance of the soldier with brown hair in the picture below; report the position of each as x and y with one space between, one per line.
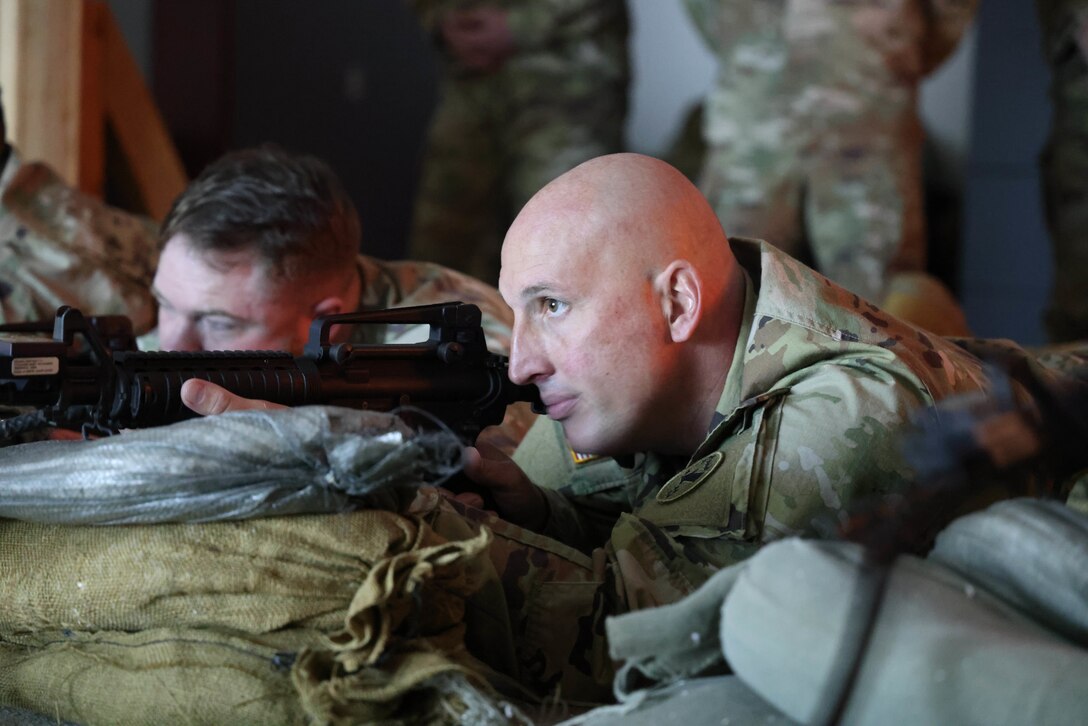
264 240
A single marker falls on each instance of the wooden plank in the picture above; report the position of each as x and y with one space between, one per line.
92 108
40 61
138 125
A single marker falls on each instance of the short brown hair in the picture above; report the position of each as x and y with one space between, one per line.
291 209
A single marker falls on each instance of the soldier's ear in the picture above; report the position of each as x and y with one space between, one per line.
680 292
332 305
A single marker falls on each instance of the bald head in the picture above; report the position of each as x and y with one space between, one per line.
625 298
630 212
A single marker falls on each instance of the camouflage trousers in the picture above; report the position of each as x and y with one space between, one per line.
850 206
557 598
490 147
547 627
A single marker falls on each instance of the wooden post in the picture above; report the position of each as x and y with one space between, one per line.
65 72
135 119
41 75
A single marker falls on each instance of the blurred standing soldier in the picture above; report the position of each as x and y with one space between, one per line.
813 135
59 246
1065 165
528 91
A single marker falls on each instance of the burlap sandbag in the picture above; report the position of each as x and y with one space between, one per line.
257 575
157 676
366 607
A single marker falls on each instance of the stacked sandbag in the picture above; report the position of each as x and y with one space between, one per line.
338 617
991 628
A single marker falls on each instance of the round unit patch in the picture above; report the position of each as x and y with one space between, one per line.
689 479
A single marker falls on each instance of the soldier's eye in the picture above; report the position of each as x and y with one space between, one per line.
553 306
220 324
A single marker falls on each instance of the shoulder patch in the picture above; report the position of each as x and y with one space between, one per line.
582 458
690 478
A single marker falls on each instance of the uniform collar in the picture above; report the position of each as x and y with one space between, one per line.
731 393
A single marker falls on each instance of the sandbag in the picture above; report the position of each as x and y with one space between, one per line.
256 576
343 618
232 466
1032 553
987 630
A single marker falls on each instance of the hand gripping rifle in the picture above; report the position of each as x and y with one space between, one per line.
111 386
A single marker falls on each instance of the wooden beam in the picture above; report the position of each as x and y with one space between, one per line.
40 73
138 125
92 111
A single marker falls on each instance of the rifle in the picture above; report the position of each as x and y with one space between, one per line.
105 384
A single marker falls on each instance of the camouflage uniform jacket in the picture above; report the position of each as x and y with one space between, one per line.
59 246
805 426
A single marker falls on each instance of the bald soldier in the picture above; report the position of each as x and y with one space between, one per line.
747 396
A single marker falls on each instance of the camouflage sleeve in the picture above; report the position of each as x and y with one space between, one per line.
61 247
542 23
549 610
948 21
804 459
582 522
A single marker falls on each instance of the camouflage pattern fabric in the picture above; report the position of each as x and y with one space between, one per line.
805 428
544 626
1065 165
687 148
814 142
923 300
59 246
497 138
